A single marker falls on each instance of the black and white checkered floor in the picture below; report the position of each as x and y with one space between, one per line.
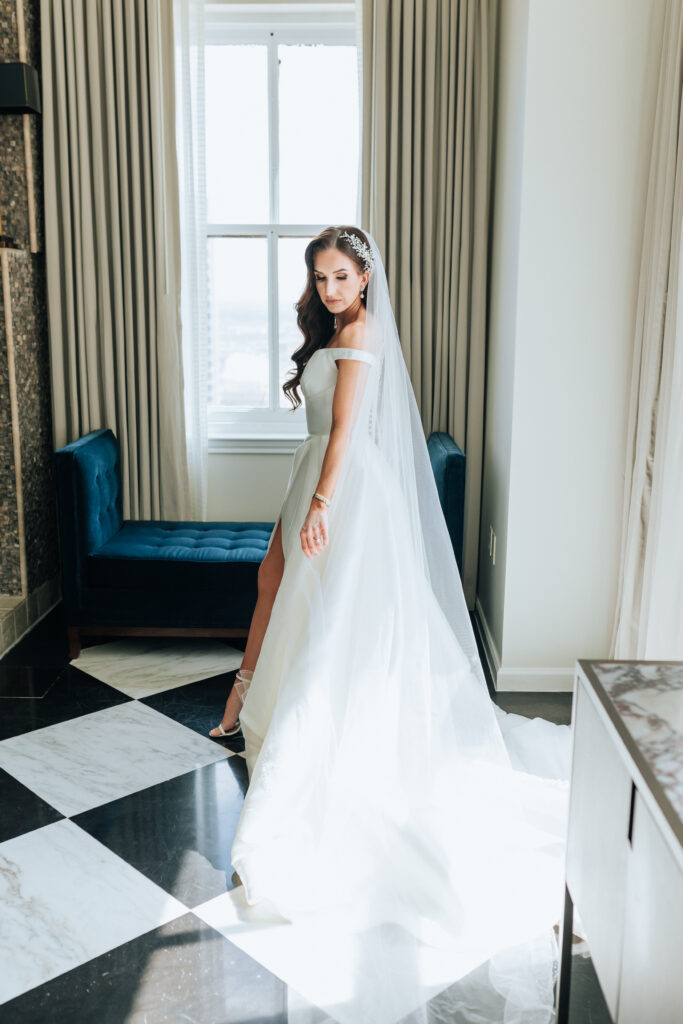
118 813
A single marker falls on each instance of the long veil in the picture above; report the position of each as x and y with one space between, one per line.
409 869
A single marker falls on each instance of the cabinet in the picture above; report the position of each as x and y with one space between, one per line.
624 862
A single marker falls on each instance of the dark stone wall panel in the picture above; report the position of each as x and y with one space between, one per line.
27 287
35 417
37 156
9 44
13 192
10 567
32 30
9 38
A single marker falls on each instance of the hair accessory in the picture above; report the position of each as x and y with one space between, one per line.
361 248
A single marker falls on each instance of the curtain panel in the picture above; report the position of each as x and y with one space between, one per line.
648 621
427 77
113 240
189 42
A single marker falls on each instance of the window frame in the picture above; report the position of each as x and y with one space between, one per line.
273 429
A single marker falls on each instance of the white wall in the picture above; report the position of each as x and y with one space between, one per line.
247 486
577 89
506 213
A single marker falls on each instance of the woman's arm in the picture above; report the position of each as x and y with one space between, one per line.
315 524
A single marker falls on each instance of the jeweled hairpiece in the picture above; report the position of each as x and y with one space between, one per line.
361 248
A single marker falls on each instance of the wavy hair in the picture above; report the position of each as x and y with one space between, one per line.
313 318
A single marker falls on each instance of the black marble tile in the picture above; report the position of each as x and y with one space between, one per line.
470 994
183 971
22 810
199 706
555 707
29 681
586 1002
178 833
44 645
73 693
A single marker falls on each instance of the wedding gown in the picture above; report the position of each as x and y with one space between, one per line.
420 880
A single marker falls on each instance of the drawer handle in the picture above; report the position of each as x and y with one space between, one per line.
630 813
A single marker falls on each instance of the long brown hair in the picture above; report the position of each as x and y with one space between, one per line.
314 319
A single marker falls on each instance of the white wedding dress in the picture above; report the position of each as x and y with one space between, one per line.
389 859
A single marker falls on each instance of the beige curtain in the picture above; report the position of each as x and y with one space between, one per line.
427 95
648 622
113 240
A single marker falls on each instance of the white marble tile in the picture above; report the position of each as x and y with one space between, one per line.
321 960
141 666
65 899
99 757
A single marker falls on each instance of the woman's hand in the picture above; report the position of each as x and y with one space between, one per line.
314 531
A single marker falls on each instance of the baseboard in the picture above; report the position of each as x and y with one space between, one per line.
16 621
535 680
519 680
487 641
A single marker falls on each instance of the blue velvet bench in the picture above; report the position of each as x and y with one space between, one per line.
449 464
155 578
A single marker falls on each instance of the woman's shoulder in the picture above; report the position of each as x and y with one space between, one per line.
350 336
351 344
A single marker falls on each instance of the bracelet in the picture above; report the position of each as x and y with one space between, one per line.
321 497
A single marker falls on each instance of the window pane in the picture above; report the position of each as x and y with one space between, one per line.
318 134
292 281
236 134
238 323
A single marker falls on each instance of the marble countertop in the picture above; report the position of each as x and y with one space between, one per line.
646 697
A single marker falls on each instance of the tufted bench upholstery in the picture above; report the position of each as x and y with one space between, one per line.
124 577
121 577
449 463
150 554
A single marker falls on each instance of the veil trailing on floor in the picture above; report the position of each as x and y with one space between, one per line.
401 838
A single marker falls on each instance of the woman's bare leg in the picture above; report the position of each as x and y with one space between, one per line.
269 577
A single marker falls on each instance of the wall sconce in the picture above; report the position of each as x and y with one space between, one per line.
19 89
19 94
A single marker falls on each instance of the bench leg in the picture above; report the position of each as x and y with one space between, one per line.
74 636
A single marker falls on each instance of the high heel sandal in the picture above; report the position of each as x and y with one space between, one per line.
241 684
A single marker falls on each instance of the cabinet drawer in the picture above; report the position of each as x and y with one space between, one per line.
652 962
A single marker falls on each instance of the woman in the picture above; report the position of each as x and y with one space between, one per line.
393 813
340 290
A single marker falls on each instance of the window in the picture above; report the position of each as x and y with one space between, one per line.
282 154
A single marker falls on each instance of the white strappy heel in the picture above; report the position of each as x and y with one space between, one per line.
241 684
226 732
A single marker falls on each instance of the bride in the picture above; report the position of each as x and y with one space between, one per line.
399 830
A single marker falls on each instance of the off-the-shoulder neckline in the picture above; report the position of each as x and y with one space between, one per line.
337 348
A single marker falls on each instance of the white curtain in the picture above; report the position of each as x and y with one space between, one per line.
112 241
188 17
663 623
649 615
